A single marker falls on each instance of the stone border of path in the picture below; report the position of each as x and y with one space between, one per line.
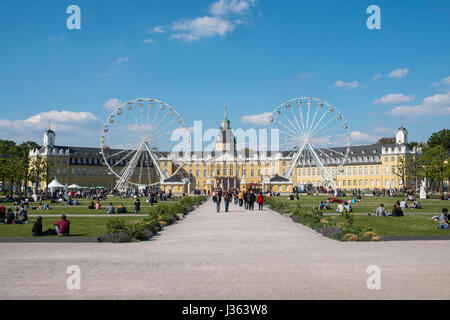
49 240
414 238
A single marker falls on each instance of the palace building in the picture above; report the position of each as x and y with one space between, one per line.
368 167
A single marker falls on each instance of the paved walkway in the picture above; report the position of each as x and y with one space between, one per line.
239 255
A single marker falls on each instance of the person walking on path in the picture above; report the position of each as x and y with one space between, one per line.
246 200
260 200
252 198
227 199
241 198
217 199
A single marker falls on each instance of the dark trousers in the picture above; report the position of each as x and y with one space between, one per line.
246 205
227 204
260 205
251 205
241 202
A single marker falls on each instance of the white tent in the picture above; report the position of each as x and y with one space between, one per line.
74 186
54 185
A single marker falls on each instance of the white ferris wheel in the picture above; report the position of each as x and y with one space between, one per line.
317 136
136 143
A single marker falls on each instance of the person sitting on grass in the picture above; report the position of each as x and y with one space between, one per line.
322 206
443 219
76 203
91 205
2 213
98 206
9 217
69 202
23 216
415 205
380 211
37 229
397 211
62 226
403 204
347 207
137 206
122 209
340 208
110 209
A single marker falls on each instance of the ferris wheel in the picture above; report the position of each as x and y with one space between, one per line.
136 143
316 135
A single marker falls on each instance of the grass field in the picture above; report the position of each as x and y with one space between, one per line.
369 204
63 208
80 227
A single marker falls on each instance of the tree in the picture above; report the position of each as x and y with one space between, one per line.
386 141
440 138
414 164
402 170
434 164
41 169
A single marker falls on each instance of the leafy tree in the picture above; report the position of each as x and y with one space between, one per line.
41 171
434 164
440 138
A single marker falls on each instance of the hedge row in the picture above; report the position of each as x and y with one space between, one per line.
119 231
330 227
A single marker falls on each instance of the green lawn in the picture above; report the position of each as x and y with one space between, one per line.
83 227
60 209
417 225
369 204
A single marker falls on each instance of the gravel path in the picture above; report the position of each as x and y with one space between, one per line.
240 255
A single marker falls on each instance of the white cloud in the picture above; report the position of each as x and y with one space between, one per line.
220 22
305 75
157 29
439 104
446 80
257 119
398 73
112 103
378 76
359 137
70 127
202 27
223 7
149 41
122 59
394 98
347 85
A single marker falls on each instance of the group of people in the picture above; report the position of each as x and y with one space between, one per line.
19 216
62 228
122 209
245 199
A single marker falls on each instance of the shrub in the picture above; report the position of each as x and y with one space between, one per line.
115 225
117 237
363 238
376 238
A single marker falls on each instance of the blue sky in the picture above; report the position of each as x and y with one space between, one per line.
199 55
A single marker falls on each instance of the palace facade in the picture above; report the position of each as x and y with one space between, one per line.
368 167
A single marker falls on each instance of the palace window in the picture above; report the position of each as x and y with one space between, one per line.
84 172
253 173
371 170
386 169
354 171
360 171
393 169
366 171
377 170
58 171
64 172
378 183
231 172
73 171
